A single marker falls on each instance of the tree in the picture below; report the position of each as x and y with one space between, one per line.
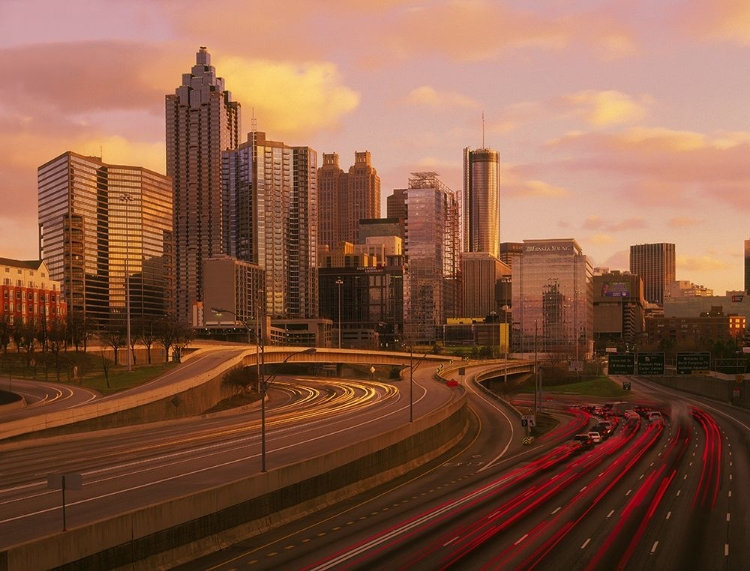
174 334
80 329
56 336
114 335
147 331
5 331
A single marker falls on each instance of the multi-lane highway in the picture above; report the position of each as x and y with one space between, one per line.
655 495
123 469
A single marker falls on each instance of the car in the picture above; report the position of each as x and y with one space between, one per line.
654 416
631 415
584 440
604 428
596 437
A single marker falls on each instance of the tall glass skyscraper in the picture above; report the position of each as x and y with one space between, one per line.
97 221
481 201
202 121
655 263
431 288
272 194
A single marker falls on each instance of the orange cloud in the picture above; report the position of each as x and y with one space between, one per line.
428 96
684 222
597 223
700 264
723 20
602 108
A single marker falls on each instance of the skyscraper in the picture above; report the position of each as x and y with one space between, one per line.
272 190
481 201
201 122
345 198
431 292
94 216
747 266
655 263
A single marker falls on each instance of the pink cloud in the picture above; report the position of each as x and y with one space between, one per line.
724 20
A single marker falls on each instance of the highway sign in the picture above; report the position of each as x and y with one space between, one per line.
621 364
650 363
693 363
528 420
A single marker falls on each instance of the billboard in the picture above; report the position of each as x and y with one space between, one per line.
615 289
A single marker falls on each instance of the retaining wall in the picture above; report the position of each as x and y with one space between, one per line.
179 530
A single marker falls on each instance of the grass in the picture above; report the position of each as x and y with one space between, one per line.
598 387
79 368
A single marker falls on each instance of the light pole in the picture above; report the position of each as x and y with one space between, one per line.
339 282
507 341
127 198
259 348
264 389
412 367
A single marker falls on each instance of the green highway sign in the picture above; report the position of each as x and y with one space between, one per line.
621 364
650 363
690 363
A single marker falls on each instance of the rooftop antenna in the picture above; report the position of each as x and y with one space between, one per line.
253 122
483 130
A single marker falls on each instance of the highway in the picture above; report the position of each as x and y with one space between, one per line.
123 469
661 495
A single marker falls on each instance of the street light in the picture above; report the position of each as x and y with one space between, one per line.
339 282
412 367
263 390
127 198
259 348
507 341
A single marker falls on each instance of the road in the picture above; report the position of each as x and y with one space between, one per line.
124 469
43 397
662 495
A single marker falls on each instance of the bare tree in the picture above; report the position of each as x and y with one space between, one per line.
148 333
114 335
5 331
56 336
173 334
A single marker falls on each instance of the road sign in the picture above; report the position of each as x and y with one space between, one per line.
626 385
621 364
528 420
693 363
650 363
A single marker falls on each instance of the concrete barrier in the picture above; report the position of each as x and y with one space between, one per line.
182 529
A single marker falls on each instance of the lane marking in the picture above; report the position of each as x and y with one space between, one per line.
656 543
522 538
609 515
585 543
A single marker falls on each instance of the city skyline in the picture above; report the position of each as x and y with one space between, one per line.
617 127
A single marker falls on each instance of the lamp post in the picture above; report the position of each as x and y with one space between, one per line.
507 341
412 368
339 282
259 348
264 389
127 198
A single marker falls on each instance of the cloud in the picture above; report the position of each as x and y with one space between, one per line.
603 108
599 239
700 264
684 222
596 223
721 20
290 98
664 167
532 189
428 96
480 29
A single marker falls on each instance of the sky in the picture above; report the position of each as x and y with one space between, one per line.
618 122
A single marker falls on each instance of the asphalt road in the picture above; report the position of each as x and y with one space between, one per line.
663 495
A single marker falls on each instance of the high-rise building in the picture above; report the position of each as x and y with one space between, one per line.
553 298
481 201
431 283
395 204
747 266
481 275
99 222
346 198
202 121
655 263
273 190
618 309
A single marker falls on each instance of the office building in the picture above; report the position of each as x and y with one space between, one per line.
273 188
747 266
619 310
395 205
345 198
30 296
481 276
655 263
100 222
481 201
202 121
431 280
553 299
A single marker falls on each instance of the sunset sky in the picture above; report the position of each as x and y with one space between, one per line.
618 122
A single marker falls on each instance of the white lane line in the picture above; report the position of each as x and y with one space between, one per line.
726 550
628 492
451 541
585 543
678 492
728 516
656 543
609 515
521 539
669 514
557 510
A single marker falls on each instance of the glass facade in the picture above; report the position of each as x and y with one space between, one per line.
553 298
97 221
655 263
202 121
431 247
481 201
